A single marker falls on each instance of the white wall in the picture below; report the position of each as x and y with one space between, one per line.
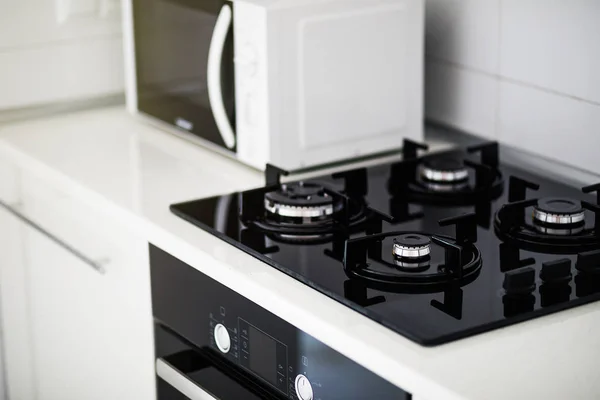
59 50
524 72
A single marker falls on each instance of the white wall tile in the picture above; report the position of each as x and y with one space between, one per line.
61 72
464 32
35 22
550 125
553 44
460 98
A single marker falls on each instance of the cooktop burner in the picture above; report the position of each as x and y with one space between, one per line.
303 203
306 212
412 247
451 179
553 225
409 262
435 247
558 211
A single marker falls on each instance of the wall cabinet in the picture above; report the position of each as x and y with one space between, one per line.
76 310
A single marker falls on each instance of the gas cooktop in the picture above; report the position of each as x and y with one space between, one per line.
435 247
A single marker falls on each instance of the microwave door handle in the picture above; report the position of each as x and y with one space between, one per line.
180 382
215 93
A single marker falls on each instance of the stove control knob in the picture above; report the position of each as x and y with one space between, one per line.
520 281
304 389
222 338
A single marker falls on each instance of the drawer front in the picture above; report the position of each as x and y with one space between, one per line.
86 231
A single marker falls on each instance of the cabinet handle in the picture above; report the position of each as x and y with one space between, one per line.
94 264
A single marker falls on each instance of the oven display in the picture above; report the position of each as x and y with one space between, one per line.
263 361
263 355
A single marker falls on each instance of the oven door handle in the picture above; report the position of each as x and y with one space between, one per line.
180 382
215 59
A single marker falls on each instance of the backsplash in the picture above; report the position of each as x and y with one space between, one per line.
59 51
524 72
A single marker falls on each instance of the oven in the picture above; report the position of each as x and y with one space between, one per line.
213 343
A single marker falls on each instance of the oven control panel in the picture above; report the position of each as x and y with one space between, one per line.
252 349
278 356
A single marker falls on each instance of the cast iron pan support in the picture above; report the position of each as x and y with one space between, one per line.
466 233
595 208
517 189
489 153
273 175
410 149
355 182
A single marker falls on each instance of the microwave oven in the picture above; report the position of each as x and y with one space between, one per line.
294 83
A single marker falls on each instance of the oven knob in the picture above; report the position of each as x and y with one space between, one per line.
304 389
222 338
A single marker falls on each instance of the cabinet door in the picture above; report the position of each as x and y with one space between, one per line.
70 324
74 295
86 342
16 342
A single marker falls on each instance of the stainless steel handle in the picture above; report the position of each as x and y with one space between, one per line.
94 264
180 382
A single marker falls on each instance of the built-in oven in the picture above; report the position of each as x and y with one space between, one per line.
212 343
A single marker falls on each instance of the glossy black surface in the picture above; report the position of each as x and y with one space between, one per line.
460 307
266 354
172 41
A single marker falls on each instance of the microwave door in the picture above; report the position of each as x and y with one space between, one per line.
184 66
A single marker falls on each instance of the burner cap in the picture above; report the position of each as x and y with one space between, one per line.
300 200
444 170
559 211
412 246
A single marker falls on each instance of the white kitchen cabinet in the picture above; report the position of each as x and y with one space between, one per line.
80 348
75 301
16 343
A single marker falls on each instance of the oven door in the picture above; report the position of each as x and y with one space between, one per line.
184 65
186 372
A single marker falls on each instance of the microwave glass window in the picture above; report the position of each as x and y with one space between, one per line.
173 39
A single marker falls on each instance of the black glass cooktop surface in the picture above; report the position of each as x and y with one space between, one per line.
435 247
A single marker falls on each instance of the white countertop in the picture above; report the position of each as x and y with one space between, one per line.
112 160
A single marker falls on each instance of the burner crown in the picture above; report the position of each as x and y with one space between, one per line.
412 245
444 170
560 211
300 200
